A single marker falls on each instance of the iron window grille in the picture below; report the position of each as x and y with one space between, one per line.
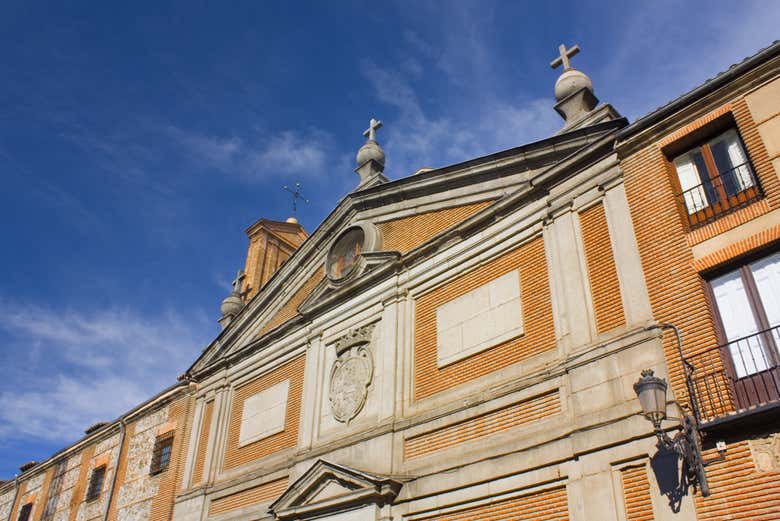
715 178
96 483
740 375
161 454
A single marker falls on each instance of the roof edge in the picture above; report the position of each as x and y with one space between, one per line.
702 90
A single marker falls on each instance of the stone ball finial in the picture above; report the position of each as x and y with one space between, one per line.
570 82
370 150
232 305
291 220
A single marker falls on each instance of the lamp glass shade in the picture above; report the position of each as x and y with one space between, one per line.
651 391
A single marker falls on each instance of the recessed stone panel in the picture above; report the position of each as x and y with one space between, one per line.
264 413
479 319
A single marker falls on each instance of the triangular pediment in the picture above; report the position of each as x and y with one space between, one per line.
299 288
331 488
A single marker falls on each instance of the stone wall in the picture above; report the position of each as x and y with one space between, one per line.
138 488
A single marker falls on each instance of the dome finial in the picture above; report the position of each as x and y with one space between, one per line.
233 303
573 90
370 157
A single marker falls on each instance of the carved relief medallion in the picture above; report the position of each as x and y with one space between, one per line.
351 374
766 453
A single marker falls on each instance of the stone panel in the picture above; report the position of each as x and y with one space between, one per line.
264 413
764 102
539 332
485 316
236 454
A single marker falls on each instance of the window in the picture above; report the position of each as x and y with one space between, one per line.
96 483
748 304
161 455
715 178
24 513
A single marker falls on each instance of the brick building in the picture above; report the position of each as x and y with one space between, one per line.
462 343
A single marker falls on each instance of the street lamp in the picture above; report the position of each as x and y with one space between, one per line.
651 391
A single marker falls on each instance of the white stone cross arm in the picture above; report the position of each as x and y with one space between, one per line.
565 54
373 126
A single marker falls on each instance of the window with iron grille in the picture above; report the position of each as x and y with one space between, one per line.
96 483
746 301
161 455
714 178
24 513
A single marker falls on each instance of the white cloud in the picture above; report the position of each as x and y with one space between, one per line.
481 126
301 153
73 368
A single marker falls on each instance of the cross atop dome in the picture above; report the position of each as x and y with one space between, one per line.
237 282
373 126
371 158
574 93
564 55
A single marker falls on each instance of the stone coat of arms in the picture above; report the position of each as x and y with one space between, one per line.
351 374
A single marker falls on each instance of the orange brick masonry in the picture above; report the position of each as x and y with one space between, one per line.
636 493
539 335
677 296
513 415
604 284
235 455
548 505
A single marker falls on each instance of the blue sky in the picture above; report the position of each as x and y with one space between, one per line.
138 141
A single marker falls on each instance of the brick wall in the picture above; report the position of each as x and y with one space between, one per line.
407 233
290 308
203 442
738 490
636 493
548 505
473 429
677 295
169 482
249 497
602 274
539 332
235 455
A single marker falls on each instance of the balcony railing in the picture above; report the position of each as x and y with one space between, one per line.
720 195
737 378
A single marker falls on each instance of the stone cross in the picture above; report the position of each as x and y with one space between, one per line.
373 126
565 54
237 282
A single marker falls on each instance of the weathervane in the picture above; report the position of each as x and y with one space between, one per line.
296 194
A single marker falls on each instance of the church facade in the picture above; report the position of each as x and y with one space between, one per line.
468 343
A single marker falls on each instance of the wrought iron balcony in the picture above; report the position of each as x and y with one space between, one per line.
720 195
736 380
